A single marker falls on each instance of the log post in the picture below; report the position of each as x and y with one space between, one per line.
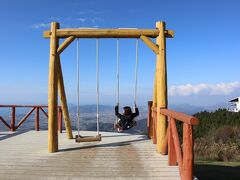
154 105
13 118
188 156
63 100
161 85
150 120
37 119
53 91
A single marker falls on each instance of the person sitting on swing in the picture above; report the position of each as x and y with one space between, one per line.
126 120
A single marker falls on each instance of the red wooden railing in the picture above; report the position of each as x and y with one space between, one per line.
178 154
37 108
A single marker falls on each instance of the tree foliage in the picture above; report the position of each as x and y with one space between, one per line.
210 121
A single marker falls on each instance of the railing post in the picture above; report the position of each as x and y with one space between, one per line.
60 119
13 118
188 156
154 139
37 119
165 145
150 119
177 146
172 159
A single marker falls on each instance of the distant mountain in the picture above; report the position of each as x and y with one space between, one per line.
215 107
186 108
106 116
90 108
191 109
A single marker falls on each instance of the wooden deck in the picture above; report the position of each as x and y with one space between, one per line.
23 155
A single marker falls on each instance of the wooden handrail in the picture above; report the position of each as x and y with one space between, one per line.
181 155
23 106
13 127
25 118
179 116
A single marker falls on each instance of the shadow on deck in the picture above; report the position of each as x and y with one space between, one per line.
6 134
114 144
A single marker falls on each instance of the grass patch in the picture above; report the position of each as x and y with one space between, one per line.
217 146
221 144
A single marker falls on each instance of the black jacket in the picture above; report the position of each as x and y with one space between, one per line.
125 118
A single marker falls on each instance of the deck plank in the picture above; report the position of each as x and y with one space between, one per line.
119 156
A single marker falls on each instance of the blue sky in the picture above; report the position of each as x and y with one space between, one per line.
203 58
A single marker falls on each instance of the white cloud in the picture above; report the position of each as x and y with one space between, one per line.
40 25
71 22
204 89
96 19
93 12
82 19
92 20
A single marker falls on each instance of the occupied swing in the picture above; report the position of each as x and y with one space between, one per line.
126 120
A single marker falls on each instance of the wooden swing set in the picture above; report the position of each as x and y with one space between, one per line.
56 82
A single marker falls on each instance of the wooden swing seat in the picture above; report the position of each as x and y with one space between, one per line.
88 138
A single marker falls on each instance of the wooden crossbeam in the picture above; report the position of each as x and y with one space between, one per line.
107 33
150 44
65 44
169 33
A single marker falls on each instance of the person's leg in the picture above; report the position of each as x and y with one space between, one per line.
128 125
120 123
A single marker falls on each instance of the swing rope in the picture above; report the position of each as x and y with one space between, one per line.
78 86
117 71
136 76
97 82
78 89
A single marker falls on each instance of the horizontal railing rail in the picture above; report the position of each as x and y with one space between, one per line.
180 116
37 108
178 154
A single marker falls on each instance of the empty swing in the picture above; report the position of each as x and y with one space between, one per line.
126 120
80 138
